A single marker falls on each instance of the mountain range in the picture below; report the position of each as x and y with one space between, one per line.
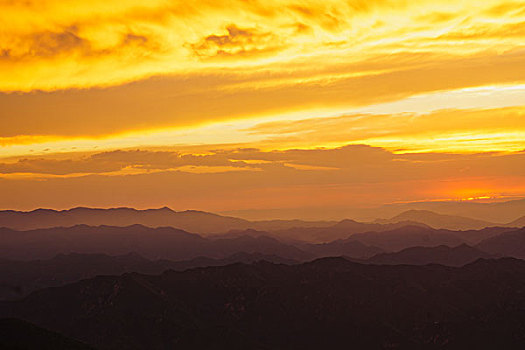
500 212
507 244
152 243
174 244
419 280
442 255
330 303
19 278
188 220
435 220
209 224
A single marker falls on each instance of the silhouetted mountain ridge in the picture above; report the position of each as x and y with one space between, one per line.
175 244
209 223
520 222
340 230
405 237
510 243
18 278
189 220
439 221
443 255
152 243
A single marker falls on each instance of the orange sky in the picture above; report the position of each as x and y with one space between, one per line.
226 105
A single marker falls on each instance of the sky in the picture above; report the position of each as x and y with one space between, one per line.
255 105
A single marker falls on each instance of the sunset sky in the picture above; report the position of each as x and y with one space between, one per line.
251 104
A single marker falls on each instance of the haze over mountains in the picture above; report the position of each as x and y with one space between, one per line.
52 257
170 243
299 243
155 243
498 212
209 223
435 220
520 222
442 255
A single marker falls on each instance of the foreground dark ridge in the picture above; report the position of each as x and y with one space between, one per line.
19 278
330 303
16 334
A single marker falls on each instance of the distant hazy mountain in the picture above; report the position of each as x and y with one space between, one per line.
189 220
520 222
326 304
273 225
435 220
173 244
498 212
241 257
473 237
444 255
406 237
340 230
152 243
348 228
351 249
19 278
507 244
243 233
215 225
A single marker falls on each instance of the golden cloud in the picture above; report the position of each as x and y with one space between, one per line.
56 44
194 100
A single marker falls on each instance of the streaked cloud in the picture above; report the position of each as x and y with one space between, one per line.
463 130
113 161
478 130
355 161
184 102
177 64
62 44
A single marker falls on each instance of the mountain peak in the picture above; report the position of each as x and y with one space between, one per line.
439 221
168 209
